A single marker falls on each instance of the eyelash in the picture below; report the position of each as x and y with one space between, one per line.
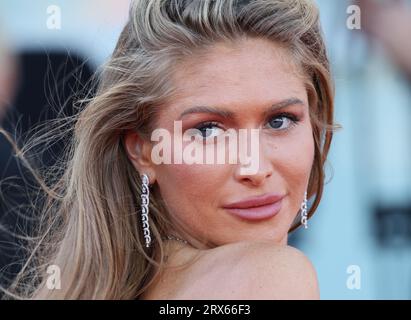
293 118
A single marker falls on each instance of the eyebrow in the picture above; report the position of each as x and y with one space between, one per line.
227 114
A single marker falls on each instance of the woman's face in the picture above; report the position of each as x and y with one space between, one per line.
246 81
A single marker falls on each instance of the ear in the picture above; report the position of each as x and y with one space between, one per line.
139 153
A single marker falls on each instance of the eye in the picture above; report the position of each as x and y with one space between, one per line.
283 121
209 130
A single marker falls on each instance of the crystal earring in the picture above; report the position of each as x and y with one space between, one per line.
304 218
145 200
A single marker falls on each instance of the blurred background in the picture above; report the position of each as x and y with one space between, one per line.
359 239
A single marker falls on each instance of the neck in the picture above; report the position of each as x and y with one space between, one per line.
177 253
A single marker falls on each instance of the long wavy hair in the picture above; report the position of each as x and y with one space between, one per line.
89 225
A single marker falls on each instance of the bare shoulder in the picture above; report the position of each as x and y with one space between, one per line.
258 270
278 272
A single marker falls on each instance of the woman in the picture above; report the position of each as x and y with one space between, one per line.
125 226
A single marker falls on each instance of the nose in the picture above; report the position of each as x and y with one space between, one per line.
263 171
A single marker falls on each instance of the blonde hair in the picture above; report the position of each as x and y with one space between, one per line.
91 226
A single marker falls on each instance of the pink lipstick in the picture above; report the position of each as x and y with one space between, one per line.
256 208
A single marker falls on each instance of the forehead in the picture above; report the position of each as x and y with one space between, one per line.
250 70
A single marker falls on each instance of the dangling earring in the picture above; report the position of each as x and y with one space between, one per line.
145 200
304 218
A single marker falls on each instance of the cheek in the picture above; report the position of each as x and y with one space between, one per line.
293 163
294 159
195 184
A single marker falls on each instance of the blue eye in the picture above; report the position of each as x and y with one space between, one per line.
210 129
282 121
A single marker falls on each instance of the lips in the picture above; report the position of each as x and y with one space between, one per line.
256 208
